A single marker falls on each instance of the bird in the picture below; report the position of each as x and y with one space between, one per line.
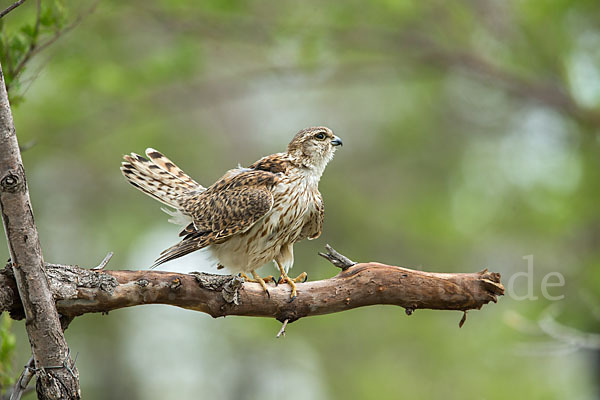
251 215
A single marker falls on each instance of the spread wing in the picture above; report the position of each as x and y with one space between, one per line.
314 223
230 206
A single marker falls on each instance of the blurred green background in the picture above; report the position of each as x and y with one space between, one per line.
471 139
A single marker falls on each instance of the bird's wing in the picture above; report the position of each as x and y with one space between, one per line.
275 163
314 223
230 206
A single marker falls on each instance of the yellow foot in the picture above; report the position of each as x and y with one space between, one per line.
263 281
303 277
292 282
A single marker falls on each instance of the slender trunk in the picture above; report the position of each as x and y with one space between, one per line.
57 377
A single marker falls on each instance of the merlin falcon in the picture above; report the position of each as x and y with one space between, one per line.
250 216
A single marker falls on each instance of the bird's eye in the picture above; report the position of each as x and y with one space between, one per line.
320 136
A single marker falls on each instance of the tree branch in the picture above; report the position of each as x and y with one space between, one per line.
20 388
393 45
8 9
23 381
48 343
337 259
79 291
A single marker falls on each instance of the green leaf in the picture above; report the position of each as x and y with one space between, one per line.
7 349
61 13
47 17
17 45
54 16
29 31
15 99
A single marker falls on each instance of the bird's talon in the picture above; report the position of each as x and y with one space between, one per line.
258 279
292 299
305 279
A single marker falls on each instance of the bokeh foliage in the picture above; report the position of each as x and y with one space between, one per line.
471 133
28 36
7 349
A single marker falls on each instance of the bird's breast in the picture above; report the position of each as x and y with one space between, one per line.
282 225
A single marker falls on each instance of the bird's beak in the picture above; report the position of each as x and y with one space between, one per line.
337 141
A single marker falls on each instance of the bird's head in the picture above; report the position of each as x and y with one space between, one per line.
314 147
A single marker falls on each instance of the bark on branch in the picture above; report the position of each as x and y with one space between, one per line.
57 378
79 291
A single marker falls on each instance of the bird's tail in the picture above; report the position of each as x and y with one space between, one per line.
159 177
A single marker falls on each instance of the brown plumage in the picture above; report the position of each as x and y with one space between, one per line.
250 216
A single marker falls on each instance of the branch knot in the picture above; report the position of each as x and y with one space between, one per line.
228 285
11 183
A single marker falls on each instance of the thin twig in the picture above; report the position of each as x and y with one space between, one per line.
27 146
337 259
24 379
463 320
104 262
282 330
566 334
35 48
12 7
20 388
393 45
